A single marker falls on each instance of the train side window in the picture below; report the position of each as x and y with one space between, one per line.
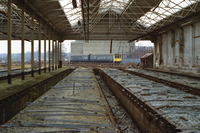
116 56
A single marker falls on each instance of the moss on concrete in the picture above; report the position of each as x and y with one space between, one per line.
18 84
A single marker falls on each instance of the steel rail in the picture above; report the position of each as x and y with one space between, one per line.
186 88
17 75
144 116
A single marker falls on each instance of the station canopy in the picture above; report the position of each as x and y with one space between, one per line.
102 19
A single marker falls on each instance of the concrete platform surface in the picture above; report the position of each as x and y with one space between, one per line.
74 104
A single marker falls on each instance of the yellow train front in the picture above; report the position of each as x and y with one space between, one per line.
117 58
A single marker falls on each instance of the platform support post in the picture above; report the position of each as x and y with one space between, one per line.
45 50
56 54
49 52
53 49
9 57
22 44
111 46
39 49
193 47
60 55
32 47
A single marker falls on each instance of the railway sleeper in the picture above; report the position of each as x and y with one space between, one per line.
13 104
179 86
145 118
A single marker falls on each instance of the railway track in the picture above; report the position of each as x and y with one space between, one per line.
190 80
11 104
154 107
172 109
3 72
15 73
186 83
75 104
94 65
120 115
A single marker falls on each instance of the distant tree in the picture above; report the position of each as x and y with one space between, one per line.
64 54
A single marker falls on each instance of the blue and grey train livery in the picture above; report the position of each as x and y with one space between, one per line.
100 58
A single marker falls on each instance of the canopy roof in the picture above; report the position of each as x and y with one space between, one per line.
99 19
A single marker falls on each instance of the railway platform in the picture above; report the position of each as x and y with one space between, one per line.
84 101
7 90
74 104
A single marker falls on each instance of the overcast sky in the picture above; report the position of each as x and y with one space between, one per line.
16 46
144 43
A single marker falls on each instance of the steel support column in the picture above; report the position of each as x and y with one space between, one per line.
58 58
155 57
193 46
53 52
32 46
45 50
39 49
173 43
22 44
160 43
111 41
88 19
56 54
59 53
49 53
9 41
59 43
181 47
167 48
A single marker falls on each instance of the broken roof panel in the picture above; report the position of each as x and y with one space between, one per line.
163 10
114 5
73 13
102 19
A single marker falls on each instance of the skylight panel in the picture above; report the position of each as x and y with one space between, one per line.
115 5
73 14
165 9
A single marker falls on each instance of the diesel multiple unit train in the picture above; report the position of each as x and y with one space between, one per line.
103 58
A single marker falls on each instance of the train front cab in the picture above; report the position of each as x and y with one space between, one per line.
117 58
